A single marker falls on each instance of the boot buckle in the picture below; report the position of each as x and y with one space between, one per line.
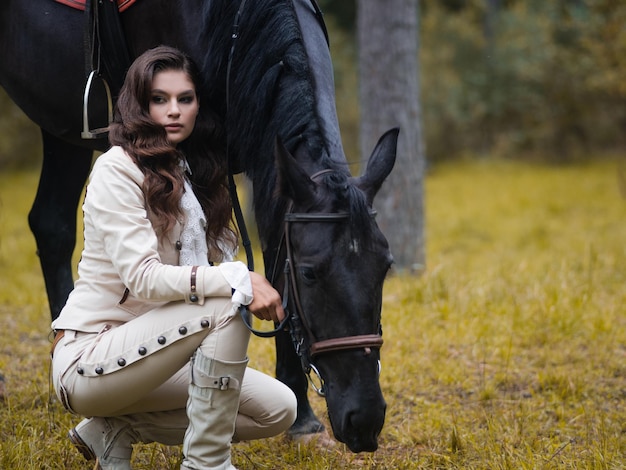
223 383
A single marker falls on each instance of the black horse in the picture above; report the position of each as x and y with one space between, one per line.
269 77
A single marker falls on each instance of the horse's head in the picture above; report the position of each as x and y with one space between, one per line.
337 262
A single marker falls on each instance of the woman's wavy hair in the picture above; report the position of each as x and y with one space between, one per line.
146 142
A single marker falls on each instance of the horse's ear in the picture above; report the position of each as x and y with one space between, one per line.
293 182
379 164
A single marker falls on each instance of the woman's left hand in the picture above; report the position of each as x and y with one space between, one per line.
267 304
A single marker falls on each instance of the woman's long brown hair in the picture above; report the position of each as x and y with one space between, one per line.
147 144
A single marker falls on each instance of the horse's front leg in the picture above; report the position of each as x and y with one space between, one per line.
289 371
52 218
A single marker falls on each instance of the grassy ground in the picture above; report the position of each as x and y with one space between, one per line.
508 353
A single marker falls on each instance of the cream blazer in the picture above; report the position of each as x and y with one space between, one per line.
125 269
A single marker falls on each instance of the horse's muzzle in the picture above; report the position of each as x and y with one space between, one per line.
356 407
359 428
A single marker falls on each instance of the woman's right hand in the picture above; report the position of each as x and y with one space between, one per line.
267 304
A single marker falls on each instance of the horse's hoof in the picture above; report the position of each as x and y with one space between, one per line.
2 389
318 440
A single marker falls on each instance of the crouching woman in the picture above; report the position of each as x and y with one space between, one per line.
149 347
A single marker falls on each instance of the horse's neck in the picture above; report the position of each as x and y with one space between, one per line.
321 69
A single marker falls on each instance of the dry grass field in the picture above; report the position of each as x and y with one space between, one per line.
509 352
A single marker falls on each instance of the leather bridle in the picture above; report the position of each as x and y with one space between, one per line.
304 340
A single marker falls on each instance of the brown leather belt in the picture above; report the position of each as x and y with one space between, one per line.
57 337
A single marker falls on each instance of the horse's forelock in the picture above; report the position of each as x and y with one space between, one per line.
344 196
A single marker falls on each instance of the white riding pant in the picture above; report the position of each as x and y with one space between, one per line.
143 366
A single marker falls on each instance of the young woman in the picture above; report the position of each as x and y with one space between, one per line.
149 346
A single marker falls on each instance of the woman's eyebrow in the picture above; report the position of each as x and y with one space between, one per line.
186 92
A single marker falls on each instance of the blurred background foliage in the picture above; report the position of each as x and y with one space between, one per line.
514 78
508 78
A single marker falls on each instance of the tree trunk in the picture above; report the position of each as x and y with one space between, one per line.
389 97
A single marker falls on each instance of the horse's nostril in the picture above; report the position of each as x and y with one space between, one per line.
361 424
363 438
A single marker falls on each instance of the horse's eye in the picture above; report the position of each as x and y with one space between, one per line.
307 273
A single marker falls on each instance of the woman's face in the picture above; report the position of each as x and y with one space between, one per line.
174 104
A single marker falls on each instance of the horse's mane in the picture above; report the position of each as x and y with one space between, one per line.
269 93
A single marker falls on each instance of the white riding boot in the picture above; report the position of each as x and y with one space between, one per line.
107 440
212 410
110 440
